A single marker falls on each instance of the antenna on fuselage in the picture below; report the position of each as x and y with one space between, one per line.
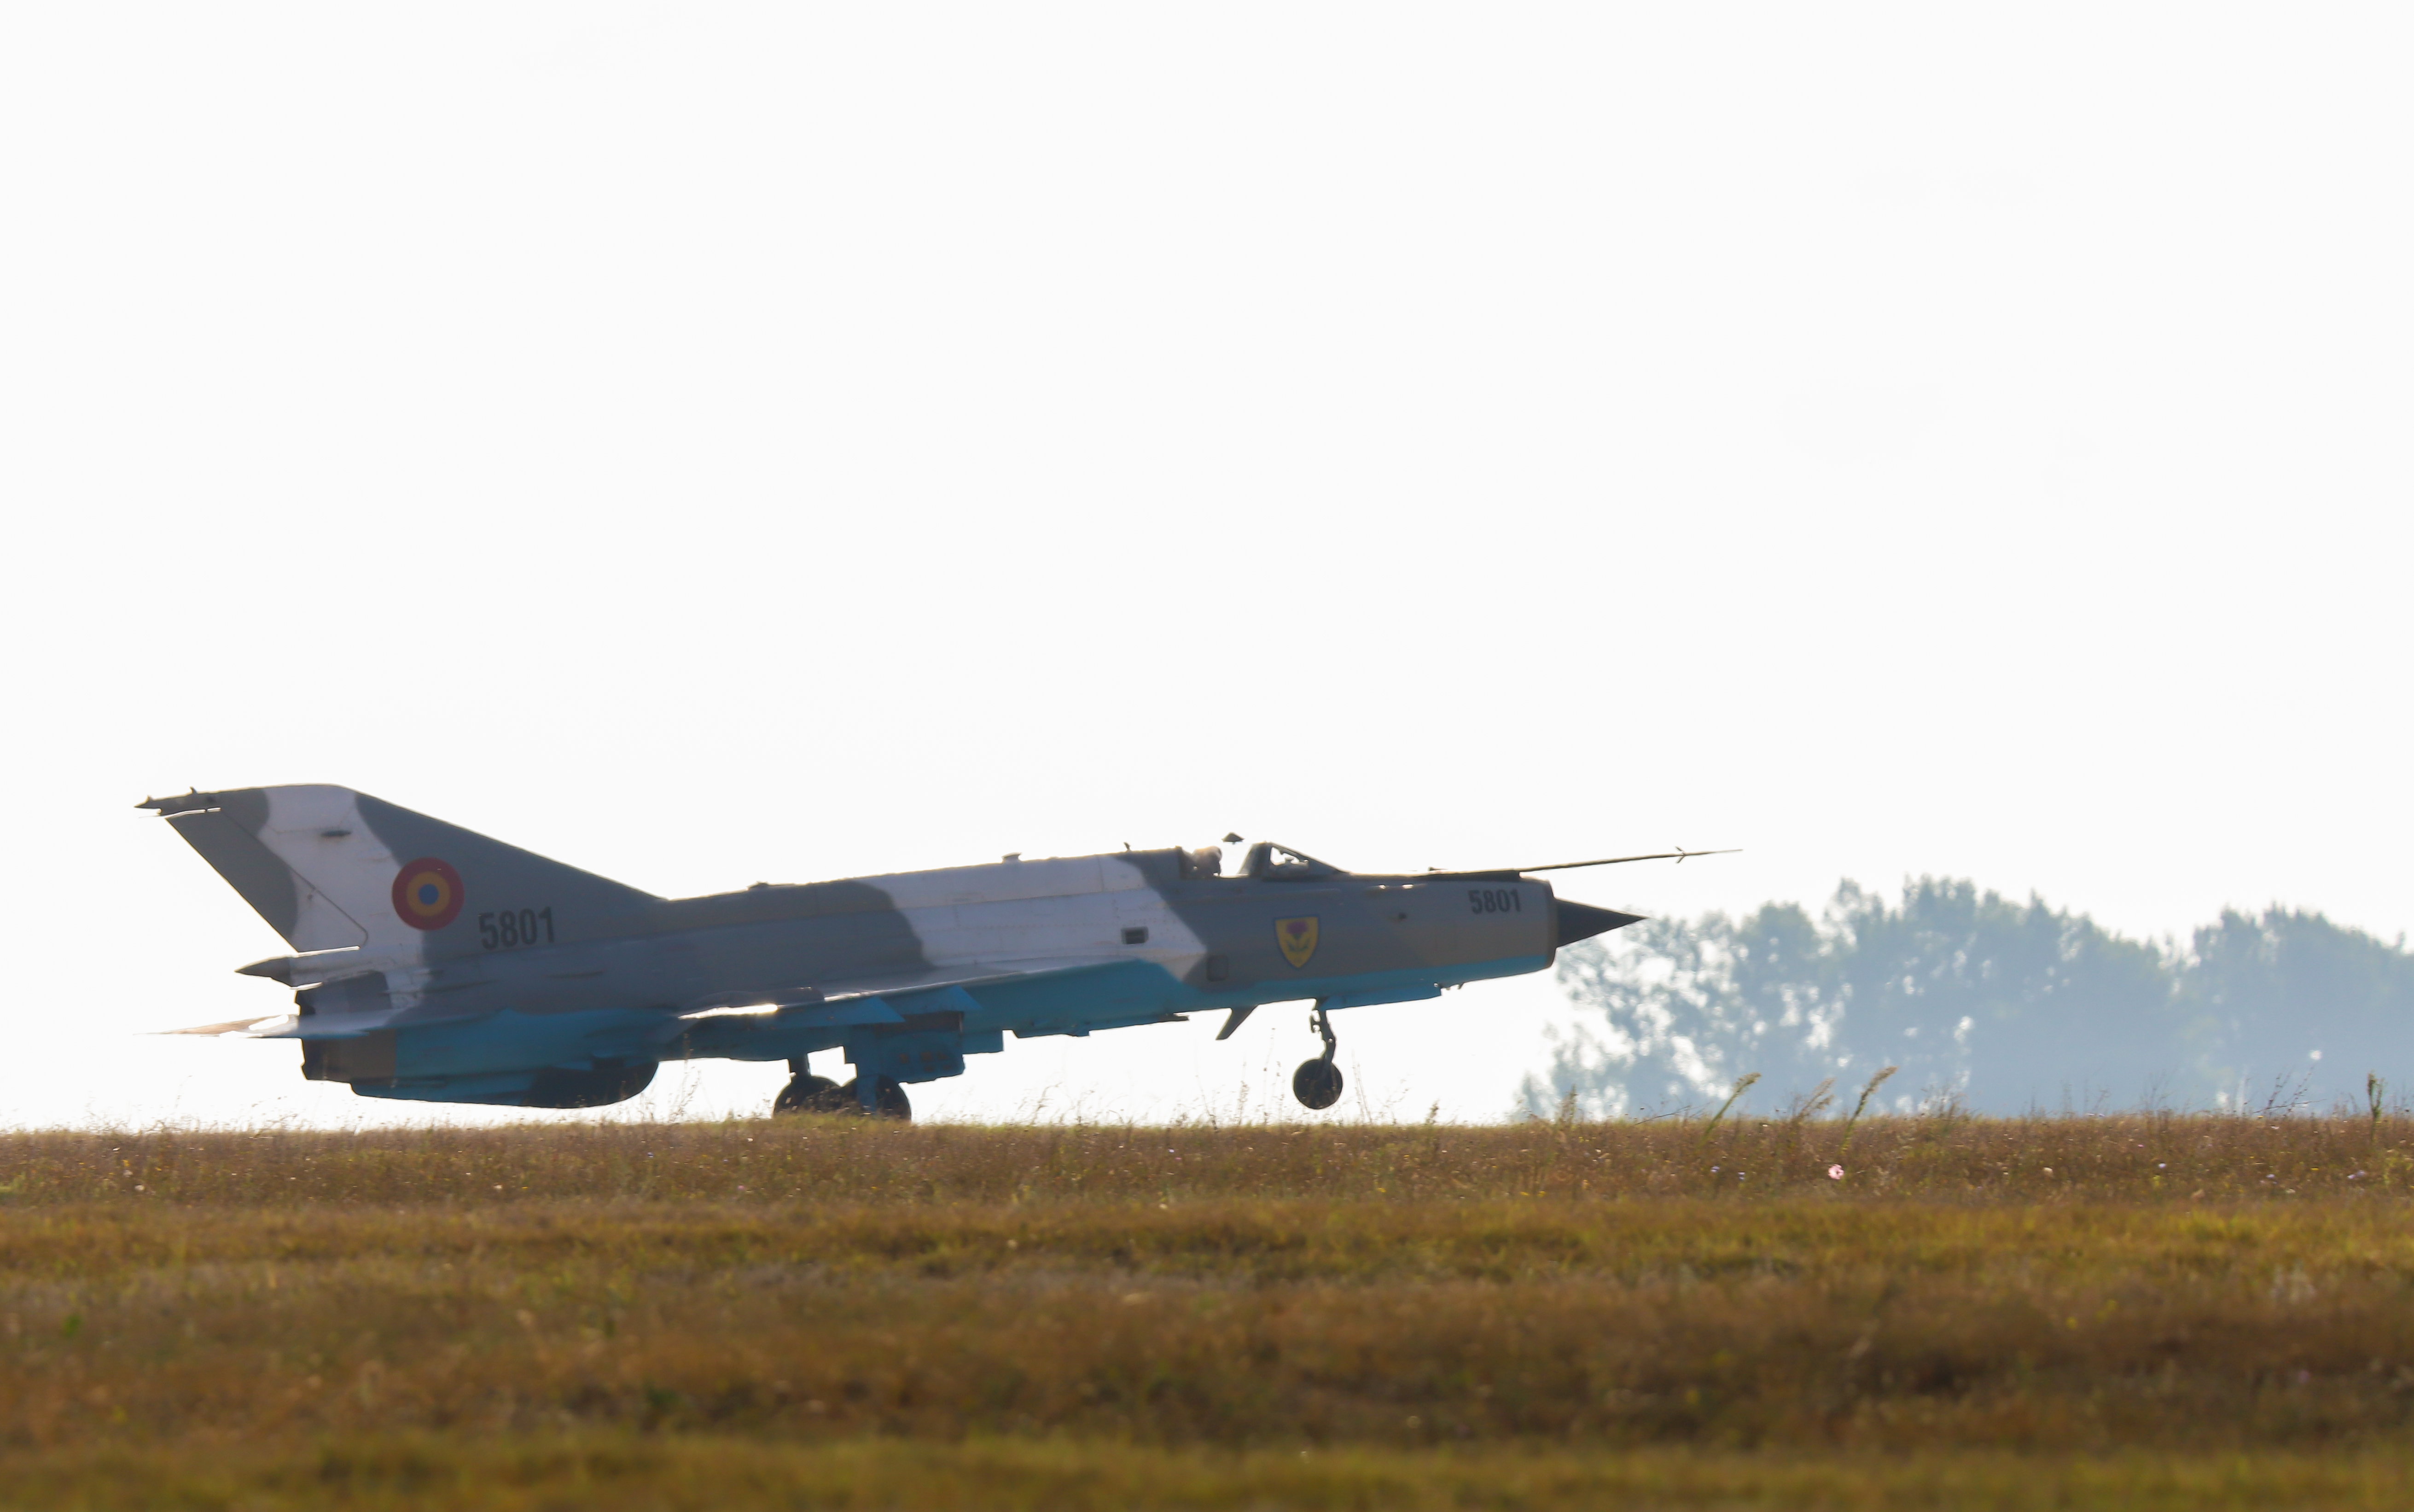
1680 855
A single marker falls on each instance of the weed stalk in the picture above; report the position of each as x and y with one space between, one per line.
1742 1083
1867 1092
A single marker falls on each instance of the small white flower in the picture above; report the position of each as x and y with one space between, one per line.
1835 1173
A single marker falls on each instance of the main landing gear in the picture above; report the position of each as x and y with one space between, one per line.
809 1094
1317 1083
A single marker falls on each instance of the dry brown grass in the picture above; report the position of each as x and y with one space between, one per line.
1500 1307
2149 1158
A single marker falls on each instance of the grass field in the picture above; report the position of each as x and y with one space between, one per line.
2077 1312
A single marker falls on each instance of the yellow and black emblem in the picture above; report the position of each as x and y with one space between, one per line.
1297 938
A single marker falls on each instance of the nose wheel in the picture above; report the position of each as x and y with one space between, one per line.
1317 1083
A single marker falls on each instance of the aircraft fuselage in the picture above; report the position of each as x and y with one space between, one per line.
436 964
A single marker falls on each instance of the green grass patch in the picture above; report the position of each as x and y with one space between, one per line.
704 1474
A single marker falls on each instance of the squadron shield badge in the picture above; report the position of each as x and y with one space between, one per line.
1297 938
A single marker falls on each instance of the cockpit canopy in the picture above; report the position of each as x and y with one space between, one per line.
1269 862
1265 862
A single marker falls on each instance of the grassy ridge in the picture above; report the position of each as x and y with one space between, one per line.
1491 1308
2022 1161
706 1474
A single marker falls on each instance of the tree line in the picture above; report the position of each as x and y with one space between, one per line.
2005 1007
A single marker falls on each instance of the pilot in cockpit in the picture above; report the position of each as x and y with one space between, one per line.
1265 862
1269 862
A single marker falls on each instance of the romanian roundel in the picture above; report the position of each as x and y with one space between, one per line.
427 893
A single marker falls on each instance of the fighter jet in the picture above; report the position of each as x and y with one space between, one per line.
432 963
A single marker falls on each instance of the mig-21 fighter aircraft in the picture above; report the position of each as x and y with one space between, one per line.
436 964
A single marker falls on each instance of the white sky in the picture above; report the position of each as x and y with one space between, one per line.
708 444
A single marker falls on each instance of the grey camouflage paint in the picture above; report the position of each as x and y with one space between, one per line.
907 974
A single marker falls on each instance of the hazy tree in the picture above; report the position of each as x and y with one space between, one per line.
2293 1002
2006 1006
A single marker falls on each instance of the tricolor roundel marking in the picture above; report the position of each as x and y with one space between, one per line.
427 893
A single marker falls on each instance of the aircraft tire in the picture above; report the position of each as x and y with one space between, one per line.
894 1103
1317 1083
814 1094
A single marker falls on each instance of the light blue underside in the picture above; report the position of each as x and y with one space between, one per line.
494 1059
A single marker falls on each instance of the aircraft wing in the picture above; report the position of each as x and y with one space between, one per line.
321 1025
861 999
239 1028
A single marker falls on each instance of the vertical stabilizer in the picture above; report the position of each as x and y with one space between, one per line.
329 868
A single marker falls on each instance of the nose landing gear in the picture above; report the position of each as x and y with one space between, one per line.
1317 1083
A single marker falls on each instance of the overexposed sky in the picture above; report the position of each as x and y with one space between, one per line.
711 444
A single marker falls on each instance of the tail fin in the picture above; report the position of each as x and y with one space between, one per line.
330 869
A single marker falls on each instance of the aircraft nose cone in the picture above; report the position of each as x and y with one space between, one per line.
1579 921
